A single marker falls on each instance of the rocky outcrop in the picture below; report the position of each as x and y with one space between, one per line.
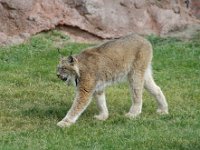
195 8
103 19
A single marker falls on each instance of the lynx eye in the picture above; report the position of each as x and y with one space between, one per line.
63 68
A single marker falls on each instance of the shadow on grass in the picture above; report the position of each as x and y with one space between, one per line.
46 112
54 112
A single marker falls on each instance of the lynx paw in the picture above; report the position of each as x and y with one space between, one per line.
101 117
162 111
64 124
132 115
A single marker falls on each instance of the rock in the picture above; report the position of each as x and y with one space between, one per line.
140 4
188 33
195 8
14 40
166 20
24 35
11 40
101 18
3 38
23 5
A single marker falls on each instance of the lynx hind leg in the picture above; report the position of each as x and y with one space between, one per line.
101 104
136 81
155 90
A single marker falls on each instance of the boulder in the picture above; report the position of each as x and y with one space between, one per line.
102 19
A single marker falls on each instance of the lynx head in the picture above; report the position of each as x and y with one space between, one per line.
67 68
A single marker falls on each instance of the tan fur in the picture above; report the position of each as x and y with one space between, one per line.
100 66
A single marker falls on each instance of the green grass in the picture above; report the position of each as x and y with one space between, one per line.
33 100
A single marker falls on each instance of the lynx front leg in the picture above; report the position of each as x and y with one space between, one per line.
82 100
136 81
101 103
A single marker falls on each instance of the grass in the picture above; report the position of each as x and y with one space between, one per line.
33 100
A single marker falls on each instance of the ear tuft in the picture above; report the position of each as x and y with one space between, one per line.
72 59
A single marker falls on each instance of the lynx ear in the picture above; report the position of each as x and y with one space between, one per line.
72 59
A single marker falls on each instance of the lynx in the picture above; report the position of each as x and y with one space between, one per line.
97 67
